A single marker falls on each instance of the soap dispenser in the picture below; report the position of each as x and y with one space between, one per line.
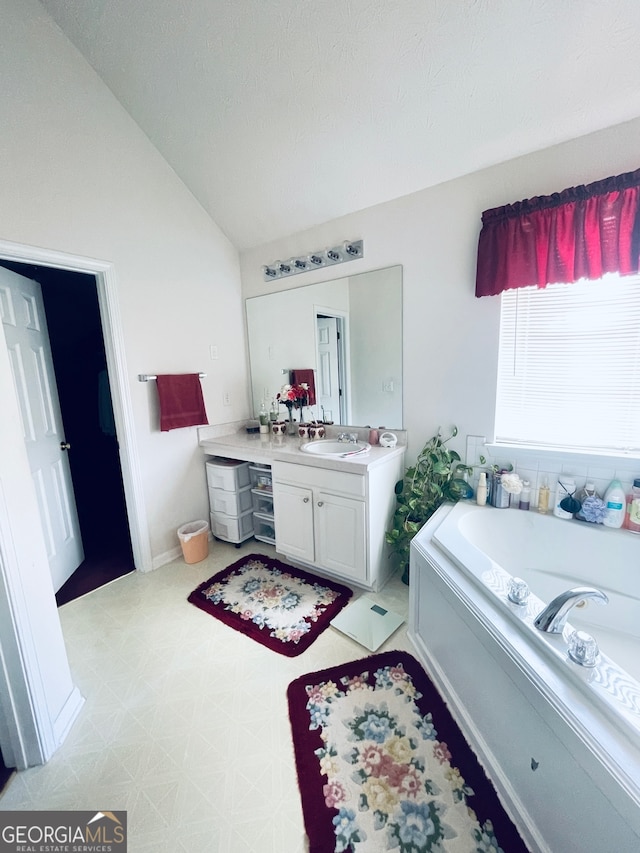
615 503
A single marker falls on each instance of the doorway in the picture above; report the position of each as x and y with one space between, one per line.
332 390
78 350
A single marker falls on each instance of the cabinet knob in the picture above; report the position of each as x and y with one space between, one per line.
320 503
305 500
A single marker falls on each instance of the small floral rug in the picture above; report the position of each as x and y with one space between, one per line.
277 605
383 766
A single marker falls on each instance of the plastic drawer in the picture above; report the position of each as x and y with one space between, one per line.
264 528
262 501
261 477
231 503
230 528
227 474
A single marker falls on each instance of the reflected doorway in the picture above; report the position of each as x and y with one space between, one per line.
332 392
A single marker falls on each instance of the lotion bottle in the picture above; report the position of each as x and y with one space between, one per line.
481 492
615 502
633 507
543 498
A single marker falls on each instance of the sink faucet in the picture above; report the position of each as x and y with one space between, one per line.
350 437
554 616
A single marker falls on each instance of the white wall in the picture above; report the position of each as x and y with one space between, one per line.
450 337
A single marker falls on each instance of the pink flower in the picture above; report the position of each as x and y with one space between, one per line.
333 794
441 752
247 615
410 783
315 694
397 673
372 758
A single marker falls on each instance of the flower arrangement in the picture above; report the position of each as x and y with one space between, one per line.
293 397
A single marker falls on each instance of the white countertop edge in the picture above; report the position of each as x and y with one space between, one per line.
254 447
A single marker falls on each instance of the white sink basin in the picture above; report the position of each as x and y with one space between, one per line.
337 449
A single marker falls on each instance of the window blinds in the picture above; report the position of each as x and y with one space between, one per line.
569 366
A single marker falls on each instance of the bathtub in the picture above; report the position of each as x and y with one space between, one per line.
561 742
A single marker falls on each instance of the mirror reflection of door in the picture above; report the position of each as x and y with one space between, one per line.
27 339
330 390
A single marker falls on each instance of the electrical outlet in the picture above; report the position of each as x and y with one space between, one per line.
226 399
387 386
213 352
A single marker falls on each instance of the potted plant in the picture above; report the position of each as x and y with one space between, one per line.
437 476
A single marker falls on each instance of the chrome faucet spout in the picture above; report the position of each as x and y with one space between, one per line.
554 616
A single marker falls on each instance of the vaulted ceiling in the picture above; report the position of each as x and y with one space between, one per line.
283 114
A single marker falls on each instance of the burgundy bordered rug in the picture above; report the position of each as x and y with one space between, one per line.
277 605
383 766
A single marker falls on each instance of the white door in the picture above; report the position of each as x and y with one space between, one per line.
328 385
25 329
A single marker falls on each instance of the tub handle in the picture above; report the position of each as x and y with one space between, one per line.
583 649
518 591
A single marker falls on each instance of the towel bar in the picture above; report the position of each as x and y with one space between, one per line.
147 377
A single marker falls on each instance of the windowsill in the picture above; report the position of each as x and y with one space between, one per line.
574 453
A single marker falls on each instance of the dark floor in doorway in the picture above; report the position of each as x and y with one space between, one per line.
94 572
5 774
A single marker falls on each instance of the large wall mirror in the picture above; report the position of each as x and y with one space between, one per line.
348 331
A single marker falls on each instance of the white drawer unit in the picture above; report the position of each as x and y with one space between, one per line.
230 499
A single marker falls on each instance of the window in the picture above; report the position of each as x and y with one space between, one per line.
569 366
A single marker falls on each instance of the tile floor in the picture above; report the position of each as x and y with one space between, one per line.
185 723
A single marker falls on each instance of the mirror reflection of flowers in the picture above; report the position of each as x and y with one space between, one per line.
294 397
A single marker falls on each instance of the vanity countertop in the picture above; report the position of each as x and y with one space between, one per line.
254 447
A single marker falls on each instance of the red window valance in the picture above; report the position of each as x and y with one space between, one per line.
581 232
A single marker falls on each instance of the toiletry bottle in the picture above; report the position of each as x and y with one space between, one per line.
615 502
632 521
565 488
543 498
273 414
525 495
499 497
481 492
373 436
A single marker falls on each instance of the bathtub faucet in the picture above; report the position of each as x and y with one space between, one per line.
552 619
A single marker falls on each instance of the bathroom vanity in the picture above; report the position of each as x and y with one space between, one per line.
330 513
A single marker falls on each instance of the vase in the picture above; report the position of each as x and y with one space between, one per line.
291 424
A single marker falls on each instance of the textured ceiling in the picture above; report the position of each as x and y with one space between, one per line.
283 114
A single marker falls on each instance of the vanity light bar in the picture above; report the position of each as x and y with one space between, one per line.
348 251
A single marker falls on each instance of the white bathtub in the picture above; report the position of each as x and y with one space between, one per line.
560 741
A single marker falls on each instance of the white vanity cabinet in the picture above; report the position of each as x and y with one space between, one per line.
335 521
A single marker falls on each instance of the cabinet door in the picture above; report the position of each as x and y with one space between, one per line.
293 513
341 535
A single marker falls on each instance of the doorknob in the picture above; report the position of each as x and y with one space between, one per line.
64 445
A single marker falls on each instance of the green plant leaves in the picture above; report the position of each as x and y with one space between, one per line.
426 485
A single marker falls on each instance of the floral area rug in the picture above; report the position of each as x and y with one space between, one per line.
277 605
383 766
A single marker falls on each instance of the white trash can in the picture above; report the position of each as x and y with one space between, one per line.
194 539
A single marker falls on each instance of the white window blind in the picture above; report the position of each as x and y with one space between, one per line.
569 366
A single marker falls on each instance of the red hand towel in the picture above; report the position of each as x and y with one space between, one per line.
300 377
181 401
